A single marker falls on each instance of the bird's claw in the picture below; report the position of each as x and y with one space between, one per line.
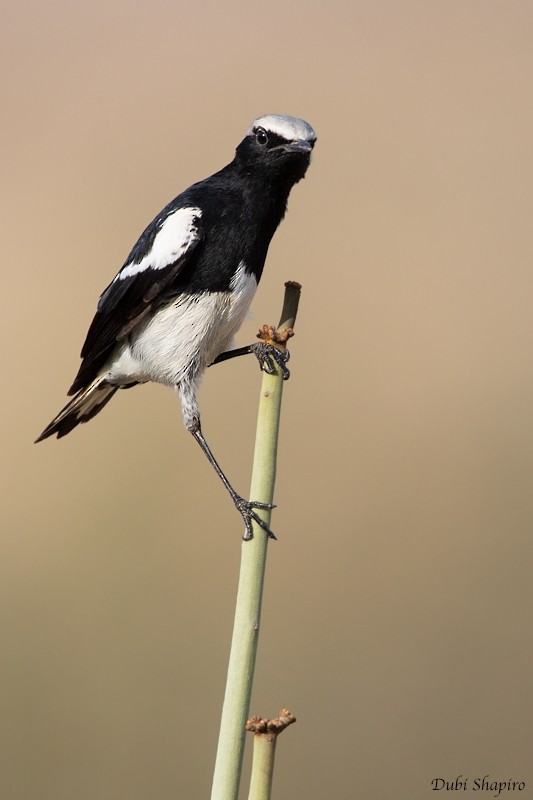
269 355
246 510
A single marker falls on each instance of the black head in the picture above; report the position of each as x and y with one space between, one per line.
278 147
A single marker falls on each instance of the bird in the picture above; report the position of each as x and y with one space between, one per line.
180 297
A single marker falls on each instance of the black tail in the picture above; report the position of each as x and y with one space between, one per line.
83 407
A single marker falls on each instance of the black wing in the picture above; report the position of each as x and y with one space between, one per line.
159 256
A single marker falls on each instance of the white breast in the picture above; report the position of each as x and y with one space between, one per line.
184 337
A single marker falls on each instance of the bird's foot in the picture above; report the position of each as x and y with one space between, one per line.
246 510
272 350
269 355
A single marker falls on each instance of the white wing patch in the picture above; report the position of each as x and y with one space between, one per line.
176 235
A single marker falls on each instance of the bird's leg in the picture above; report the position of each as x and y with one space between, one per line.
244 507
237 351
269 350
265 353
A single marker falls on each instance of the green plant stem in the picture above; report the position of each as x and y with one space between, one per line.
266 732
262 766
241 666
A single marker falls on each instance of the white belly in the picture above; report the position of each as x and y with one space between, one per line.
184 337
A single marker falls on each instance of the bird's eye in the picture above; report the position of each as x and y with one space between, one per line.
261 136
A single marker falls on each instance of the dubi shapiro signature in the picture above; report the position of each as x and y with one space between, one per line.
486 783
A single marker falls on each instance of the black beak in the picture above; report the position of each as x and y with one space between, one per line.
300 146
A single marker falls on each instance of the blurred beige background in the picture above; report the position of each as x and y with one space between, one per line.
397 619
